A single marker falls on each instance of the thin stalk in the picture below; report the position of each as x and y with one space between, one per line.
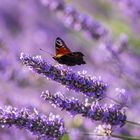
134 123
113 135
125 137
122 137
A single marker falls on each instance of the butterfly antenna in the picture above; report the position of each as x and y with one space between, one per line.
46 52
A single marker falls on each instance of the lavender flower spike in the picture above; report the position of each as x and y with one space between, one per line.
74 19
107 115
51 128
90 87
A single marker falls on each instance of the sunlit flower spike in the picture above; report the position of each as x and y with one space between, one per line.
89 87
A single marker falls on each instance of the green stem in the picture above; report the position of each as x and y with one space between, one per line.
125 137
134 123
122 137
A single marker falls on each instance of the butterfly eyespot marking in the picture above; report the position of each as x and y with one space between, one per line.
59 42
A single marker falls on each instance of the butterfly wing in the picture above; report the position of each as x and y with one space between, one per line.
65 56
61 48
78 58
72 59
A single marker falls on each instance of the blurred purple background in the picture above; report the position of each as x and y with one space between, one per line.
28 25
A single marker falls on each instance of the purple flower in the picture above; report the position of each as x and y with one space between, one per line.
108 115
68 78
75 19
53 4
51 127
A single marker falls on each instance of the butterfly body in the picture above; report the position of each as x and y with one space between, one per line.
65 56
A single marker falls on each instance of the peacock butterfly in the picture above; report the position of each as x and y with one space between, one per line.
65 56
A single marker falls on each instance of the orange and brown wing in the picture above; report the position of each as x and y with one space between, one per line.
61 48
65 56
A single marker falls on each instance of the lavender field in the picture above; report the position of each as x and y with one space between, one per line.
41 99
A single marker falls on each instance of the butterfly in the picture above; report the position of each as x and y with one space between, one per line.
65 56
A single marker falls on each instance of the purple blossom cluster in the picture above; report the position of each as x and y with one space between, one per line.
89 87
75 19
107 115
51 128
